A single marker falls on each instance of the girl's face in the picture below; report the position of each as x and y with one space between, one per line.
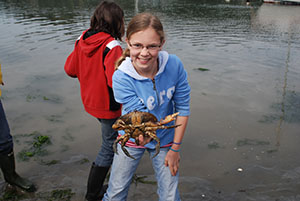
144 47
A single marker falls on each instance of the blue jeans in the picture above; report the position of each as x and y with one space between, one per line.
123 169
109 135
6 141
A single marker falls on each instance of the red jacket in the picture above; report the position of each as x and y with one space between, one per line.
95 74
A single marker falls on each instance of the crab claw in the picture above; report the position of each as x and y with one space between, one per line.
118 125
168 118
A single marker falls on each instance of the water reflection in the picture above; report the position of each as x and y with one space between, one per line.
282 20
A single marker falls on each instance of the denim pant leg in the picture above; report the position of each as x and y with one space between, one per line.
122 171
6 141
109 135
167 184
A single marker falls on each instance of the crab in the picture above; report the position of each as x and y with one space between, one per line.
138 123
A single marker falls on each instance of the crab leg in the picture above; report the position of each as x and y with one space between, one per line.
153 136
161 127
123 146
124 138
116 142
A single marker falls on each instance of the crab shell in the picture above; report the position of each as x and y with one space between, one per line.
138 123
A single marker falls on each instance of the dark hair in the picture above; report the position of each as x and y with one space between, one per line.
109 18
138 23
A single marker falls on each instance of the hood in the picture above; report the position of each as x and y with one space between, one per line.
90 45
128 68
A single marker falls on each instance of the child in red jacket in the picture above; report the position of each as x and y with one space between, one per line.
92 62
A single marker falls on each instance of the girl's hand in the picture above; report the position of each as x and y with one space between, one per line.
141 140
172 160
173 157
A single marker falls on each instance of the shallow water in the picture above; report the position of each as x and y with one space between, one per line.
242 139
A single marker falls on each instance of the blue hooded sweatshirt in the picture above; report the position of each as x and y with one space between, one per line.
167 93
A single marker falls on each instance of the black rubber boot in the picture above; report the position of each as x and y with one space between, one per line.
7 164
95 188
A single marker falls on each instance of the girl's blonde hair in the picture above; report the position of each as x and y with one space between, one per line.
138 23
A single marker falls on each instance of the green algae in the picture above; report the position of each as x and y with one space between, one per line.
37 144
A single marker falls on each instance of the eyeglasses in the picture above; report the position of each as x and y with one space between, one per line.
140 47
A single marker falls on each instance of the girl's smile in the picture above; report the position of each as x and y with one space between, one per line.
144 47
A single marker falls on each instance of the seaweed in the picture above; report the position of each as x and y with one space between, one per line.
254 142
15 194
65 194
64 148
57 194
55 118
48 163
272 151
141 179
12 193
17 137
12 196
214 145
37 146
41 140
30 98
84 160
38 97
201 69
68 137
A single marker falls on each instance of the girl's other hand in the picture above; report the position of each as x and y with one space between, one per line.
172 161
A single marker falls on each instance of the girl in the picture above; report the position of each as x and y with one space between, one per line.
92 62
154 81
